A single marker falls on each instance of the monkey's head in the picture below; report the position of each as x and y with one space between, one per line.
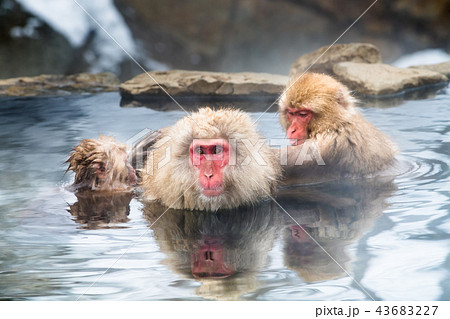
101 164
312 104
217 161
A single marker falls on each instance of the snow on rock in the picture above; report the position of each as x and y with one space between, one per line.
63 16
424 57
76 18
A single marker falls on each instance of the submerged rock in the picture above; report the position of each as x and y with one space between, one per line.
443 68
382 79
59 84
323 59
200 83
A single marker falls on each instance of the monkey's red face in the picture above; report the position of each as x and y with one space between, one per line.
298 120
208 260
210 157
300 243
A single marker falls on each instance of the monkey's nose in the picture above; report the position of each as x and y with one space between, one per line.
208 175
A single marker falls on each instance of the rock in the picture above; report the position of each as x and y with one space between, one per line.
199 83
59 84
229 36
326 58
443 68
263 103
233 35
382 79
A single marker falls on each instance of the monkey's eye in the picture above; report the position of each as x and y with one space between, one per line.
199 150
218 149
303 114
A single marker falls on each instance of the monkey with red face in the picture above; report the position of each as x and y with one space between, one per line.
316 111
212 163
209 160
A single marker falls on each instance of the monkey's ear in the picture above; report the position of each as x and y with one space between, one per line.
344 98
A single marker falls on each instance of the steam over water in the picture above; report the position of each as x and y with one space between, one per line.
392 237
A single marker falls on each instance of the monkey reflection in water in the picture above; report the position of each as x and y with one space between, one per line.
224 251
100 210
329 217
315 108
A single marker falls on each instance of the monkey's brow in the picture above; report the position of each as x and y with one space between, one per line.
319 245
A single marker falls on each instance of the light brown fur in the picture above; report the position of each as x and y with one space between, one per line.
175 183
92 155
348 144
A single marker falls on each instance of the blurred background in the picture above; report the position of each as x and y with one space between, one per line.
58 37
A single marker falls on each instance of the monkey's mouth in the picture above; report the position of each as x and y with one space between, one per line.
295 141
216 191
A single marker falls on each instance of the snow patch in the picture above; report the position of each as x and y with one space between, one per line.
69 18
431 56
29 30
64 16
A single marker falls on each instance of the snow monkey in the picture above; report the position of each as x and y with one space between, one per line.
317 110
209 160
217 161
101 165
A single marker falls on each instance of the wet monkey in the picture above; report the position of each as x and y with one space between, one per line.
101 165
209 160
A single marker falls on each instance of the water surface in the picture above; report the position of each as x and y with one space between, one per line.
390 239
